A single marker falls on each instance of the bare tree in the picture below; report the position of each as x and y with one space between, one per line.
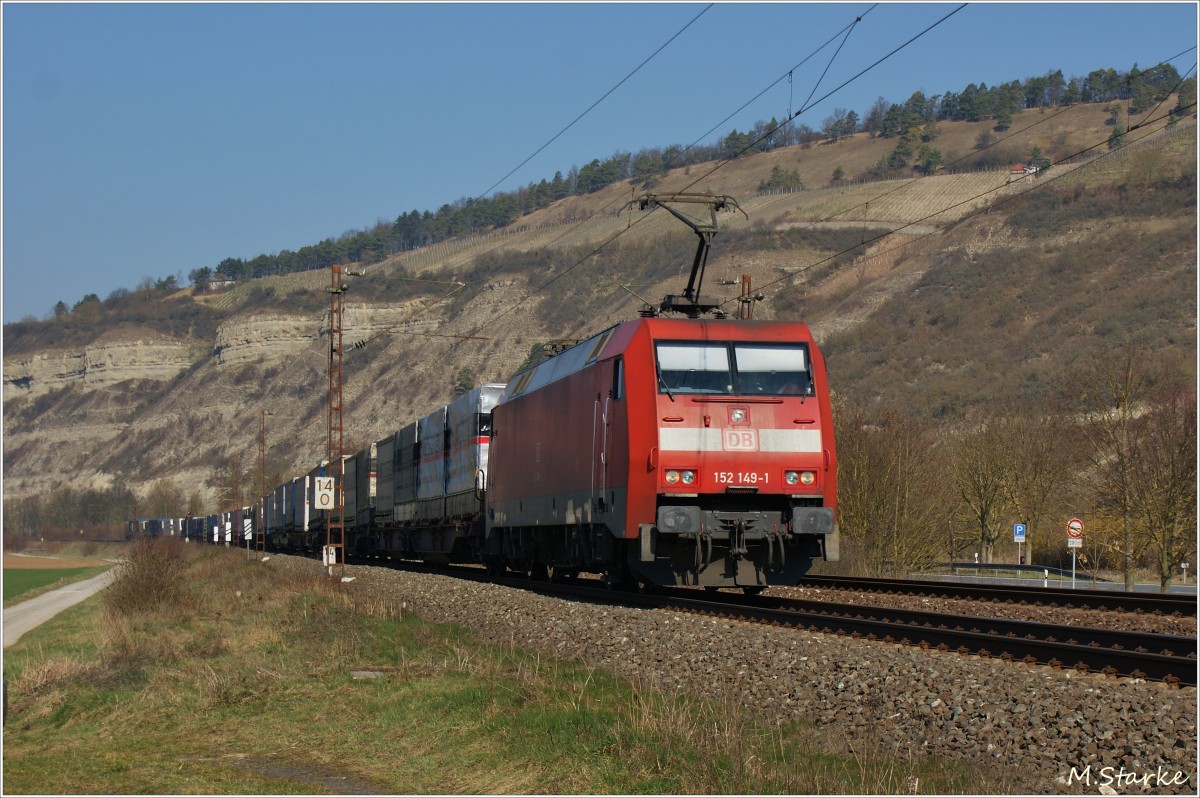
195 504
163 500
1110 397
890 501
1163 484
1039 458
981 475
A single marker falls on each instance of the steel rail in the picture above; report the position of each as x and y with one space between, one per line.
1167 658
1166 604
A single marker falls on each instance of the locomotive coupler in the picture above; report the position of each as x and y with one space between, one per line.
737 540
704 548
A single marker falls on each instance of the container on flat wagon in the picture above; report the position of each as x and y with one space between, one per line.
431 472
349 478
407 462
361 512
277 517
385 479
469 423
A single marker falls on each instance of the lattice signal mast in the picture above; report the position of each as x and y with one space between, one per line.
335 518
260 532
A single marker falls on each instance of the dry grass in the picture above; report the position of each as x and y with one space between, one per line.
245 647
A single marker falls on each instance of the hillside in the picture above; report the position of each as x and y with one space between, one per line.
929 293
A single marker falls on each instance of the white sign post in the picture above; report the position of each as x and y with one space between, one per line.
1019 538
1074 541
323 494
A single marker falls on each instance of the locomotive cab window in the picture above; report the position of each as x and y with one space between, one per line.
773 370
734 368
694 368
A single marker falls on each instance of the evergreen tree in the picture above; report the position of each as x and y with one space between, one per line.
970 105
1003 120
928 159
734 144
200 277
850 124
1071 94
873 121
1187 99
464 381
901 155
893 122
782 181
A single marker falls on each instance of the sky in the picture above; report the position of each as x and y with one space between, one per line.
147 140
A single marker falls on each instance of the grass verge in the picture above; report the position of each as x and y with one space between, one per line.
235 677
22 584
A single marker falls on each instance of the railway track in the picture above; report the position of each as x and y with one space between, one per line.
1157 657
1167 658
1113 600
1171 659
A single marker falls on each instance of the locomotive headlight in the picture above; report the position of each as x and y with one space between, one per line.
672 477
807 478
737 415
800 477
688 477
791 477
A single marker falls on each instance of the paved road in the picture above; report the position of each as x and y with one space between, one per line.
20 618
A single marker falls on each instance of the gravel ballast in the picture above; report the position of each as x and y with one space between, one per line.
1050 731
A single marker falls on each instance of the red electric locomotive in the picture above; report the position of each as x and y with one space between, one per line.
668 451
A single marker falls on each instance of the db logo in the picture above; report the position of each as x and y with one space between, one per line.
740 440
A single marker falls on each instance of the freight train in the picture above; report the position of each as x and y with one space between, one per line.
658 452
661 451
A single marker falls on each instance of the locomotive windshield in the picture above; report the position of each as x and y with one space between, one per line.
733 368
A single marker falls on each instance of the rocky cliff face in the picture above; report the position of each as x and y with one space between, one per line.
241 340
131 407
97 365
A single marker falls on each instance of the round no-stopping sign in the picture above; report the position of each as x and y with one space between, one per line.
1075 528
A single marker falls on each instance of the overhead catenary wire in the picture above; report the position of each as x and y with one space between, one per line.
603 97
584 259
846 31
827 95
684 151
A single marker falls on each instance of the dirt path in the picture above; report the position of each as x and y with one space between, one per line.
20 618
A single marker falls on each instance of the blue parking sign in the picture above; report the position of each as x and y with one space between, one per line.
1018 533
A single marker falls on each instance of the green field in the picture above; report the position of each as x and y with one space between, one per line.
23 583
295 685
